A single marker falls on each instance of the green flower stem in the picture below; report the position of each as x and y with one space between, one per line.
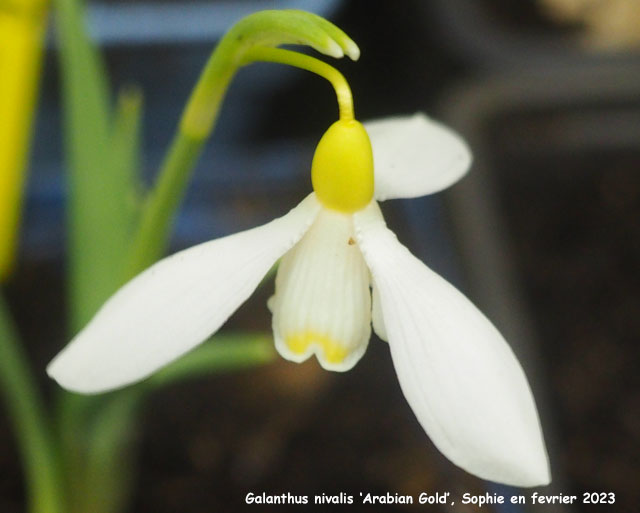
299 60
261 30
27 412
97 222
186 148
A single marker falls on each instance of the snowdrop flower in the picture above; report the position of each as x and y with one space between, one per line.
341 271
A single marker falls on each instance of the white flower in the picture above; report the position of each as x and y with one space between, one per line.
459 375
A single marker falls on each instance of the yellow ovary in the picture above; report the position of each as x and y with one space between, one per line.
342 168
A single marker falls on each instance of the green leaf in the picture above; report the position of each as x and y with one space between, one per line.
155 222
125 156
26 411
222 353
110 464
98 227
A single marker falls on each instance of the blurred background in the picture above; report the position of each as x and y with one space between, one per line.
543 235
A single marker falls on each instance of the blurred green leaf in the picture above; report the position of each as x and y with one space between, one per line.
222 353
98 225
26 411
161 204
110 464
125 155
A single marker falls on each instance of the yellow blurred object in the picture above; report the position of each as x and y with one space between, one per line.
609 24
22 28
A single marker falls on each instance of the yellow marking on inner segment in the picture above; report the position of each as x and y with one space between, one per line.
332 350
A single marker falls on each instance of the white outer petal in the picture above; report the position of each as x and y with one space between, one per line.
458 374
414 156
175 305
